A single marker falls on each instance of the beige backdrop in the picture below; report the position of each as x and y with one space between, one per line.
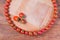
7 33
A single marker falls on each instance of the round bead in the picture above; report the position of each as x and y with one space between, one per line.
23 21
8 18
8 0
9 21
22 31
35 33
18 29
6 7
26 32
21 15
7 4
39 32
30 33
6 14
16 18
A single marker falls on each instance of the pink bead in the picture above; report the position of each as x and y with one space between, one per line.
39 32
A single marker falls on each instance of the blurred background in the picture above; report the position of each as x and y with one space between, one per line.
8 33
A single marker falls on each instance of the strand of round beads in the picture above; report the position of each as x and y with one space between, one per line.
23 17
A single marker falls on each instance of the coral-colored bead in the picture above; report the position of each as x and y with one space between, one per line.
12 24
18 29
26 32
7 15
9 21
15 18
39 32
7 4
30 33
8 0
22 31
8 18
21 15
23 21
35 33
6 7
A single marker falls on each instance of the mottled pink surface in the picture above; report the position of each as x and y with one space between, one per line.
7 33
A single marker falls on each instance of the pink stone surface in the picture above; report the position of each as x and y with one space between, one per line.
8 33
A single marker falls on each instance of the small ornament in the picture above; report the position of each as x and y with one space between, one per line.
23 21
21 15
16 18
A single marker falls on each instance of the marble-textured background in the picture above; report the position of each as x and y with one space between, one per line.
8 33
